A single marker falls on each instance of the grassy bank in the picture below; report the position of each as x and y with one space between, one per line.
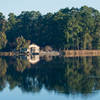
77 53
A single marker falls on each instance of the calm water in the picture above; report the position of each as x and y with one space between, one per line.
49 78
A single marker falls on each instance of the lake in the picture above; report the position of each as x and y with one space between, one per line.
49 78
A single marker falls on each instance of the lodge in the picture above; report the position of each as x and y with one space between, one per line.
32 49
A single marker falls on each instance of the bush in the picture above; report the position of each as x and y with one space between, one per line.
48 49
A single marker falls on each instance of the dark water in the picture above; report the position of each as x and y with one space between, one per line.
49 78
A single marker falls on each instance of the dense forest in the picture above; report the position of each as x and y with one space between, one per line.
75 28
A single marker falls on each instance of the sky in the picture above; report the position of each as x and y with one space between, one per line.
44 6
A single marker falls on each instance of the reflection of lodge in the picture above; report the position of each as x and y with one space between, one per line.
33 59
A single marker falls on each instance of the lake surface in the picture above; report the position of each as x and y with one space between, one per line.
49 78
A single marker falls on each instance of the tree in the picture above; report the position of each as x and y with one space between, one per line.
21 43
3 40
12 20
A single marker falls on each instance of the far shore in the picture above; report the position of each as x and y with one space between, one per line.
64 53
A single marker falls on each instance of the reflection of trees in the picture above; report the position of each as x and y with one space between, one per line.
77 72
48 58
3 70
3 67
60 75
21 64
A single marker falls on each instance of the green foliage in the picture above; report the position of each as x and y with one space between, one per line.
3 40
21 43
11 20
75 28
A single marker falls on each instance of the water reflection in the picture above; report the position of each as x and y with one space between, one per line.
61 75
33 59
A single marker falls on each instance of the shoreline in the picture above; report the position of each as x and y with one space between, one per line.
80 53
64 53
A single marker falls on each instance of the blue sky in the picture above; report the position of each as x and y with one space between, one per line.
44 6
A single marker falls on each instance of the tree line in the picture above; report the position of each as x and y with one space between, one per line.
75 28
